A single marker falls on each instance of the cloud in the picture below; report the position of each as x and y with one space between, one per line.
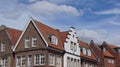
51 9
99 36
87 35
110 11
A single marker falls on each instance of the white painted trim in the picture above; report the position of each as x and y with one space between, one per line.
25 30
40 33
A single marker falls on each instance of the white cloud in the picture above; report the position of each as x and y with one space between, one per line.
87 35
110 11
48 8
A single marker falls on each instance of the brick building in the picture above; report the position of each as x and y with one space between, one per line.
88 58
8 39
105 58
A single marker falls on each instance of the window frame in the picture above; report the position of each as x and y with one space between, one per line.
42 55
34 41
3 46
51 59
27 40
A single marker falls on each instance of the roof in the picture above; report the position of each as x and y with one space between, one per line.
108 54
113 46
14 34
64 36
46 31
85 45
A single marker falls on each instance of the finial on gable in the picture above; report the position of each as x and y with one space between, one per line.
2 27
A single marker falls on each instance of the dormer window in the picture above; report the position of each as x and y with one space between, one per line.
89 52
84 51
34 41
27 42
3 46
104 49
54 40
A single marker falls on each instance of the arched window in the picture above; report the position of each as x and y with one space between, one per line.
54 40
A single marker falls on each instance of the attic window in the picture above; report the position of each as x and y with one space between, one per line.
54 40
104 49
89 52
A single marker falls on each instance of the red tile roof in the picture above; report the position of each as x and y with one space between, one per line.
14 34
113 46
46 31
85 45
108 54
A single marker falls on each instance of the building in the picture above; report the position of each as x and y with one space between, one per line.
39 46
114 50
8 39
105 58
72 50
88 58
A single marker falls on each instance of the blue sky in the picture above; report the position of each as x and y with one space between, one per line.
98 20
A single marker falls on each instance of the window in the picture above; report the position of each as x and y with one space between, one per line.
30 61
75 47
3 46
4 62
27 42
54 40
51 59
18 62
89 52
104 49
68 62
23 60
42 59
111 61
36 59
34 41
58 61
71 45
84 51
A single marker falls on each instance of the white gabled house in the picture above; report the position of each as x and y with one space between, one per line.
72 50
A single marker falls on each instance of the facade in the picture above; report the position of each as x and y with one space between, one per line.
7 42
88 58
105 58
39 46
72 50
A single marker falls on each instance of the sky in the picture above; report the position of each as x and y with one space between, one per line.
97 20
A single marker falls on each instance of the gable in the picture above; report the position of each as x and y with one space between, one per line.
30 32
5 38
71 44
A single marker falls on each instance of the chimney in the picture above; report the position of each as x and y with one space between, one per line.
2 27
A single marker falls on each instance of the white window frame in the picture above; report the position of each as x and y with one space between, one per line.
89 52
18 61
4 62
23 61
30 60
58 61
42 59
51 59
54 40
36 59
84 51
27 42
34 41
3 44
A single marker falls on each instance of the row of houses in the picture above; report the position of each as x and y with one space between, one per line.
39 45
